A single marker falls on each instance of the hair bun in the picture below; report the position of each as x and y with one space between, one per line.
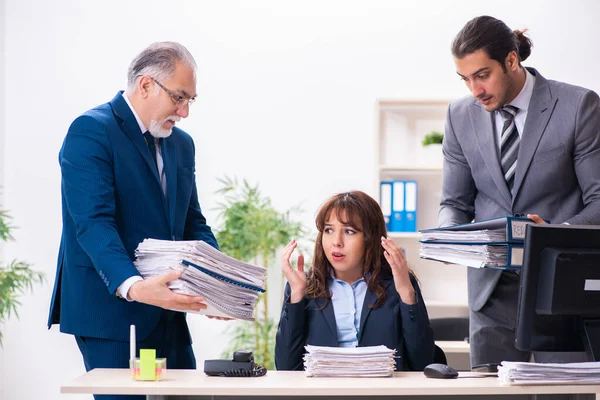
524 44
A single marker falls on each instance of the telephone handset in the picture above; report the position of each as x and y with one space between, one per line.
241 365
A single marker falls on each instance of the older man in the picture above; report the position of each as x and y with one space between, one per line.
129 174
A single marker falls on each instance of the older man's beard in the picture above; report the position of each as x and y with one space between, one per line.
156 127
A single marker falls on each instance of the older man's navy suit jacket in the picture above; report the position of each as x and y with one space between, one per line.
111 201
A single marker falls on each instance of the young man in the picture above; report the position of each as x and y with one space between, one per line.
127 175
520 145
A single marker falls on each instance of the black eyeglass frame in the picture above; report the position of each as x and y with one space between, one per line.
180 101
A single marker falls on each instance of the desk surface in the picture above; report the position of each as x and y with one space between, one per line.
292 383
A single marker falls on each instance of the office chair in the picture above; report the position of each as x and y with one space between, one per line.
450 328
439 357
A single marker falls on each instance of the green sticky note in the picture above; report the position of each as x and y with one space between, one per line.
147 364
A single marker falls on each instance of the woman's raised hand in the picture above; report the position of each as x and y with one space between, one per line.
295 277
395 257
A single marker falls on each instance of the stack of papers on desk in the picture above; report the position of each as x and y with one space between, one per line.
229 286
524 373
370 361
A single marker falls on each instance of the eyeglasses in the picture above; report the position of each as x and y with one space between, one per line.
180 101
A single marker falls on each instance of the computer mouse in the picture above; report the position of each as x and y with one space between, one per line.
441 371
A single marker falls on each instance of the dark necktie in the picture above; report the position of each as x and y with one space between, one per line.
509 145
151 146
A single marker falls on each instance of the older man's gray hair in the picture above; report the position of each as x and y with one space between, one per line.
158 61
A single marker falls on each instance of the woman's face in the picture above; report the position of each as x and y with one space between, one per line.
344 247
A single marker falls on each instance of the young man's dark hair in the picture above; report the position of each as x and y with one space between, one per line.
492 36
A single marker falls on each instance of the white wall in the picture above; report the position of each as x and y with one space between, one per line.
286 95
2 119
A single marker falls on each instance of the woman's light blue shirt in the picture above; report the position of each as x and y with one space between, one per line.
347 301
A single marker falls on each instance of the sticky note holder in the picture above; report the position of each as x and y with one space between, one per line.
148 367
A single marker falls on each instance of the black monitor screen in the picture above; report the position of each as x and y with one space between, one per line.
559 300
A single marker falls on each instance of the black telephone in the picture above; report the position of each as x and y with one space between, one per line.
242 365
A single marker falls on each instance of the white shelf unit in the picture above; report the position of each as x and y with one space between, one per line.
400 155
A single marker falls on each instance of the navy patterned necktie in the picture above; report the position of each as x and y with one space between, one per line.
151 146
509 145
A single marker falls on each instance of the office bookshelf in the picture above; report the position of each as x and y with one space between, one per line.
400 128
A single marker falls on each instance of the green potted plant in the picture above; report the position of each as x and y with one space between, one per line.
253 230
432 148
433 137
16 278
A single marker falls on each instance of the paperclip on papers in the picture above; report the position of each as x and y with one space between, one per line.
229 286
357 362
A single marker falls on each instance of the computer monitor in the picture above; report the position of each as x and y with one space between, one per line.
559 299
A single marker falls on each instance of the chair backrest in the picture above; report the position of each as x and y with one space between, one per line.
439 356
450 328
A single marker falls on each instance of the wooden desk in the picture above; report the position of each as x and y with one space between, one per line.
197 385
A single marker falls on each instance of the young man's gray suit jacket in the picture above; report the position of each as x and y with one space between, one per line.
558 170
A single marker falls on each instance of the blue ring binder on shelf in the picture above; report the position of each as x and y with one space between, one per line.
398 201
222 277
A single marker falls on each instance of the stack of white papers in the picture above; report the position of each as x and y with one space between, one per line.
524 373
493 243
472 255
229 286
370 361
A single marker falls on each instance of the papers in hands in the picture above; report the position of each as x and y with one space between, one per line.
224 299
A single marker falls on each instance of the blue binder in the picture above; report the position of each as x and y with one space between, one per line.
399 205
515 227
385 201
507 232
410 206
514 253
398 213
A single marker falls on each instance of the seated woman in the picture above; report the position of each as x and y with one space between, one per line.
358 292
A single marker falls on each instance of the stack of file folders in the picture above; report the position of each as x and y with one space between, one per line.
524 373
370 361
229 286
496 243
